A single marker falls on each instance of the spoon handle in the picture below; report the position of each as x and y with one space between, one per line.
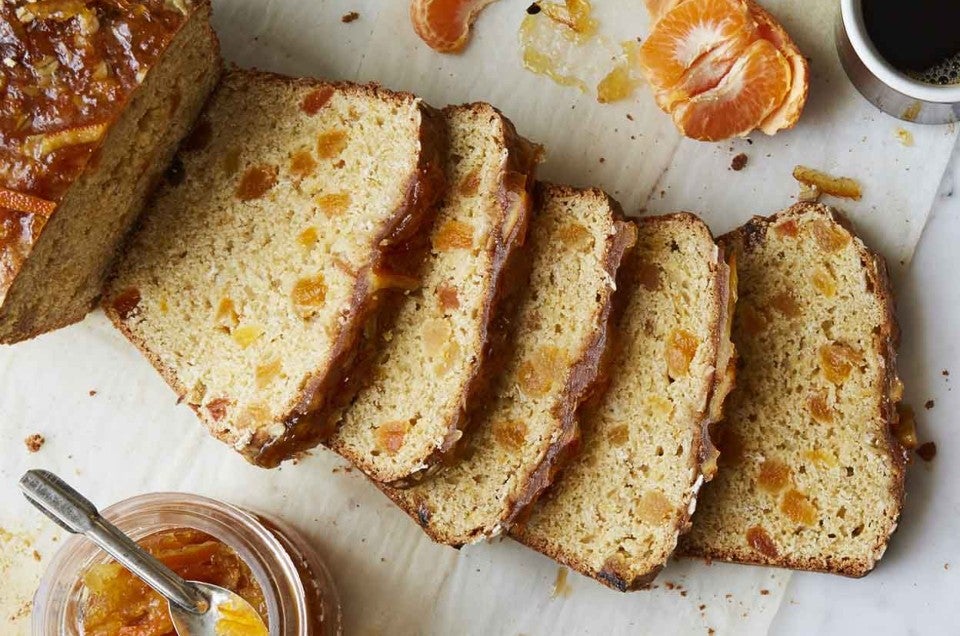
74 513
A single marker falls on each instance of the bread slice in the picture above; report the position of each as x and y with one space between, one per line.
259 262
96 98
616 510
428 363
551 358
811 476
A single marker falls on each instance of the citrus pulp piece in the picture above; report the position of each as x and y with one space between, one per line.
688 32
444 25
788 113
754 87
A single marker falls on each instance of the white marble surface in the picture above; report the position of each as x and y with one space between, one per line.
131 437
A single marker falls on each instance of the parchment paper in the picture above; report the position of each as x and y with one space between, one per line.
130 437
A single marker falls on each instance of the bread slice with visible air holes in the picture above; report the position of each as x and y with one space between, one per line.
96 98
811 474
430 360
551 355
259 264
616 510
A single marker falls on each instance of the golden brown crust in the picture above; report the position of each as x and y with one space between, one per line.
47 142
515 197
314 415
616 573
584 374
47 151
751 235
324 396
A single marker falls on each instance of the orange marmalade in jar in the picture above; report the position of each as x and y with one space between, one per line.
85 593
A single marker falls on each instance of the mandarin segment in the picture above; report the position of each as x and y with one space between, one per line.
444 25
688 32
755 85
723 68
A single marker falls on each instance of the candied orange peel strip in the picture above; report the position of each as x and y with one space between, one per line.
444 25
25 203
843 187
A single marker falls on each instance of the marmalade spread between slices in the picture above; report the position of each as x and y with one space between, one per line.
114 602
66 72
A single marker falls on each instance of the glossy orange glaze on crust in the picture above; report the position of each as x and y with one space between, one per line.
67 70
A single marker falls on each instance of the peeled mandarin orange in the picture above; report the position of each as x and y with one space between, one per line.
690 31
723 68
754 87
788 113
445 24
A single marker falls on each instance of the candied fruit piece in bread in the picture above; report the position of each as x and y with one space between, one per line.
257 327
96 96
432 344
816 482
548 364
616 510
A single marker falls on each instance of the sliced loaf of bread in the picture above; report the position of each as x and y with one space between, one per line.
811 475
616 510
95 96
548 361
437 342
259 262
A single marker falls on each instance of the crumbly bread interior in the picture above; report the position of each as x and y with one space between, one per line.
258 262
557 337
437 342
810 475
616 510
62 278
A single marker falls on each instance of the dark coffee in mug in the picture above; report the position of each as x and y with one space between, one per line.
918 37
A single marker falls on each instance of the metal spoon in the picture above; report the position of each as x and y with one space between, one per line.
196 608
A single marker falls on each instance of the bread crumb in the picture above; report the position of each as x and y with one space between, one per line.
929 404
905 137
927 451
36 556
34 442
739 162
349 17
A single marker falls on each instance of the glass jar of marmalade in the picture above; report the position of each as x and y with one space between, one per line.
298 595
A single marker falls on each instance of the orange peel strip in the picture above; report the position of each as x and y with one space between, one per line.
843 187
25 203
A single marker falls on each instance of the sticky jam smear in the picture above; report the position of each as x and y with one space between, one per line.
562 41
